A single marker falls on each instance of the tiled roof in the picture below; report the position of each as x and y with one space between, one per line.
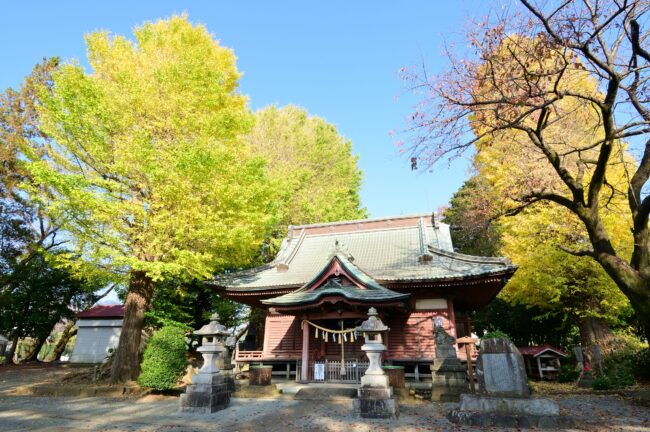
369 291
103 311
405 248
537 350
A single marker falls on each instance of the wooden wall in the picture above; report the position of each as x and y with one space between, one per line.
282 337
410 338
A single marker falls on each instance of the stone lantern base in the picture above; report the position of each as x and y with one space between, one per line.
206 395
376 402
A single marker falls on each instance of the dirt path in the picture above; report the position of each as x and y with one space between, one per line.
12 376
40 414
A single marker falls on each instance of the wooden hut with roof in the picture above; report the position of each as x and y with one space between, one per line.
326 276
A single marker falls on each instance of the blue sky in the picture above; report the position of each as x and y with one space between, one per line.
339 60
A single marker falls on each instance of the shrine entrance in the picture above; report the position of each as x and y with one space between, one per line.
334 353
329 371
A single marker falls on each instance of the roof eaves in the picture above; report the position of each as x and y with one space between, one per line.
315 296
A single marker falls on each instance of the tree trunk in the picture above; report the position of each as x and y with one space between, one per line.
126 363
595 331
68 331
640 302
12 351
33 354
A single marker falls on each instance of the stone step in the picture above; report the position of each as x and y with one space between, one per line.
326 393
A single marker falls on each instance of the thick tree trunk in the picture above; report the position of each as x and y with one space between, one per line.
68 331
595 331
640 301
633 278
126 363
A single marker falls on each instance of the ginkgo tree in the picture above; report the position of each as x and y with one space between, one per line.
506 84
146 169
317 174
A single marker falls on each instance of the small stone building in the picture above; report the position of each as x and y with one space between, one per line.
99 331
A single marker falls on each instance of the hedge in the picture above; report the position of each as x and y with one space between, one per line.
164 361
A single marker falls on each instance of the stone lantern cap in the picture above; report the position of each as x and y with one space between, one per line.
213 328
372 324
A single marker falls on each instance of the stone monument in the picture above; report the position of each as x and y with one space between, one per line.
504 398
208 391
586 378
448 378
375 396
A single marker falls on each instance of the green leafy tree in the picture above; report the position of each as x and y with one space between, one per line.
191 304
146 170
38 296
26 233
317 175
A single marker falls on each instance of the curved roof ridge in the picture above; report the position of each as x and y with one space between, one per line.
291 250
470 258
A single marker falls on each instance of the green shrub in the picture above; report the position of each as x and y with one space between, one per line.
568 373
619 369
601 383
494 334
613 380
164 359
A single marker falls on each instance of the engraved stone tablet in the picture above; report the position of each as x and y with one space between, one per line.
503 376
500 369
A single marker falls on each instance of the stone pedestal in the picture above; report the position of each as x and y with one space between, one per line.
376 402
260 375
586 379
206 397
504 399
448 377
375 396
494 411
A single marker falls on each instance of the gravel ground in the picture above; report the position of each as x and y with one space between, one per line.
18 413
24 413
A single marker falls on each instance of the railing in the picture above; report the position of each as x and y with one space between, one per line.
330 371
248 355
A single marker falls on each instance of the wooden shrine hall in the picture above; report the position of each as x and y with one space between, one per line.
326 277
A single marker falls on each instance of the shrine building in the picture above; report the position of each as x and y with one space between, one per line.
326 277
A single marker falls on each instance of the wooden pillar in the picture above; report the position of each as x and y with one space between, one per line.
452 319
539 368
305 354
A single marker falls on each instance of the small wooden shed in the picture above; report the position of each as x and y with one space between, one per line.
542 361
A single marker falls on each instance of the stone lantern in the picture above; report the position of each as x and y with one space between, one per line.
208 392
375 396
